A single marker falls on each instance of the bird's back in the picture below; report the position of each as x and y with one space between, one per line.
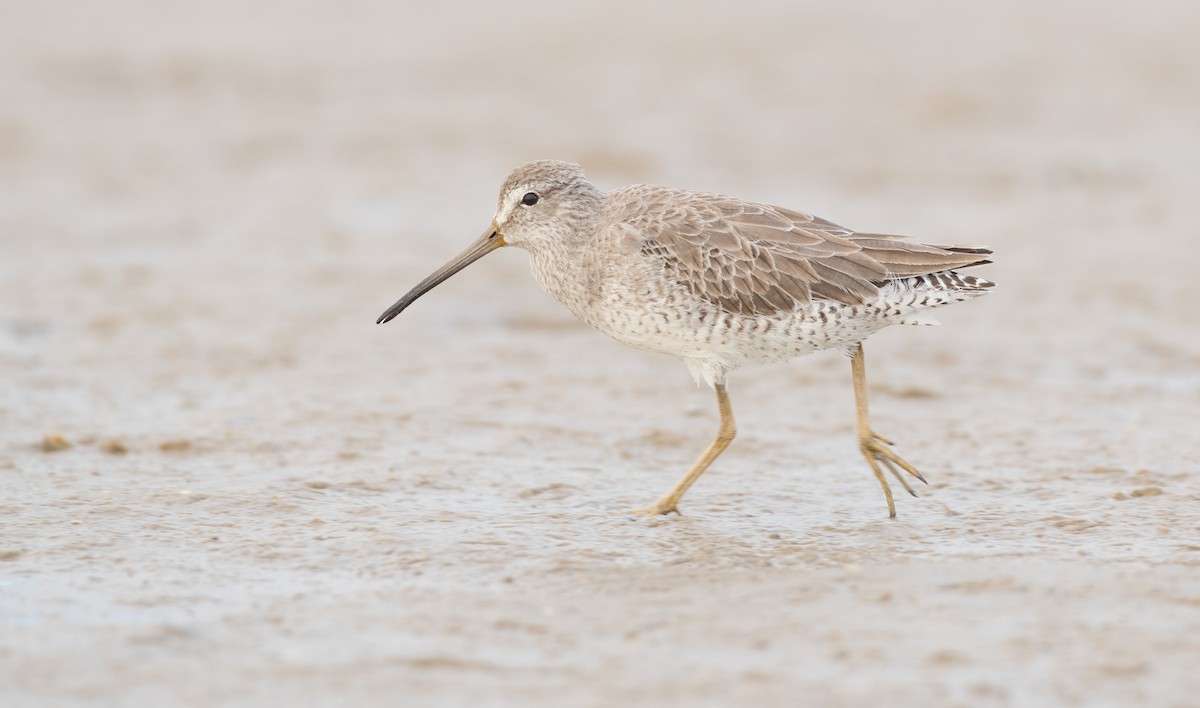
757 259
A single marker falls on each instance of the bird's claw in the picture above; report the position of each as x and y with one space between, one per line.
877 450
662 508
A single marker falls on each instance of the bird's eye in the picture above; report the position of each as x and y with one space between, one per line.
529 199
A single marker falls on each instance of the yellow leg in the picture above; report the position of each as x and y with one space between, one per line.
876 448
725 434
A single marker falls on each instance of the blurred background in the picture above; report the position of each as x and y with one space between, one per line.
156 155
204 206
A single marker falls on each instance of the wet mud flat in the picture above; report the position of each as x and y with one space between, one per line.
223 484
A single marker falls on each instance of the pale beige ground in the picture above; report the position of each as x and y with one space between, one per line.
202 211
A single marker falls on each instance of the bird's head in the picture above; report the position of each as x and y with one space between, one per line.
541 203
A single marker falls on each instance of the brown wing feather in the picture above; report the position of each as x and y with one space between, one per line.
756 259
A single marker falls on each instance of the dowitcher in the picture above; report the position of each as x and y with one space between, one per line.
719 282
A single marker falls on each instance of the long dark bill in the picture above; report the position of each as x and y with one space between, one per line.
485 244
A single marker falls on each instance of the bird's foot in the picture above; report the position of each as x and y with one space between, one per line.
661 508
878 451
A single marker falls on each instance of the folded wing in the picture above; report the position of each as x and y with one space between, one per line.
756 259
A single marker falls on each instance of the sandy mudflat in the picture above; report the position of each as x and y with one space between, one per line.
258 497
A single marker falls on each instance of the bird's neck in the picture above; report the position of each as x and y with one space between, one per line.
567 265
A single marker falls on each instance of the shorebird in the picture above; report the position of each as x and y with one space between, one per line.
719 282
